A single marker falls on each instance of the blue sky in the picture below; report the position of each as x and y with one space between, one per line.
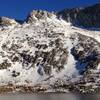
19 9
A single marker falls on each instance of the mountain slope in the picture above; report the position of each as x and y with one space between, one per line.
48 52
87 17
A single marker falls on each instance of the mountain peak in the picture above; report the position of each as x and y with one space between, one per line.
4 21
38 15
97 5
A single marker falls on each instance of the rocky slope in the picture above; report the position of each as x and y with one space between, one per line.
48 54
87 17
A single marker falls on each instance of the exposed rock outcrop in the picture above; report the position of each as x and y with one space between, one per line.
46 53
37 15
87 17
4 21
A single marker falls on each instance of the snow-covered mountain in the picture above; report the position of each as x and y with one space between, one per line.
47 52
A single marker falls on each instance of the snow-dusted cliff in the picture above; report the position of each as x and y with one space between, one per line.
48 52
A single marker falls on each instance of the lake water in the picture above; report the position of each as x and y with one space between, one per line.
49 97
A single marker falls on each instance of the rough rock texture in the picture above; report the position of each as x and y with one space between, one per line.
86 52
47 54
34 15
4 21
88 17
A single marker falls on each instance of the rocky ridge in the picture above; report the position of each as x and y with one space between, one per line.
86 17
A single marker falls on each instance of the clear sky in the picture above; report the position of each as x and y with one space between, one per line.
19 9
